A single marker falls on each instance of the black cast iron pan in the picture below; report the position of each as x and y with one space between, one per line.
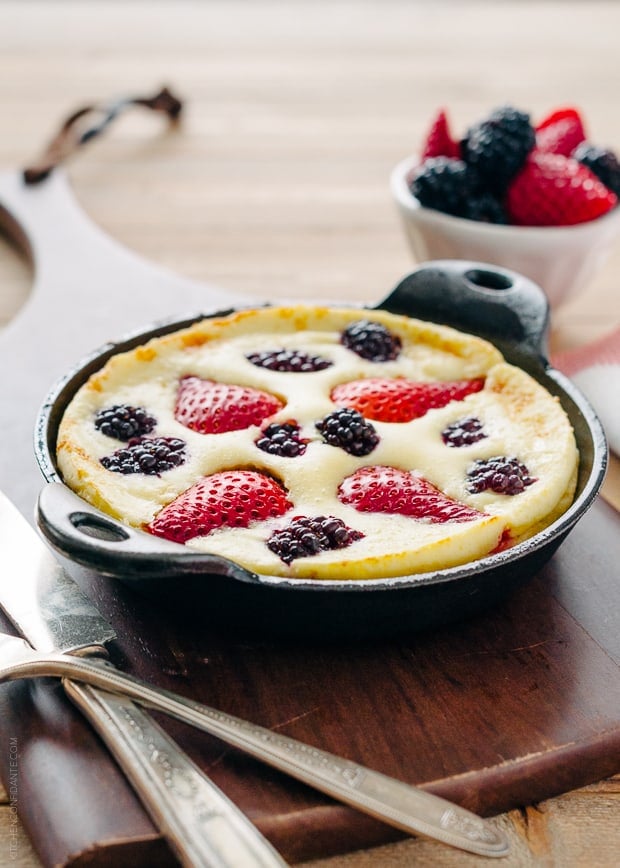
491 302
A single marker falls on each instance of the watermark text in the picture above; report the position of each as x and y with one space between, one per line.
13 798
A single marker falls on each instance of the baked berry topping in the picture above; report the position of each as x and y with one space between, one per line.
464 432
348 430
602 162
371 340
500 474
232 498
304 537
215 408
282 439
400 400
497 147
290 361
401 492
122 422
148 455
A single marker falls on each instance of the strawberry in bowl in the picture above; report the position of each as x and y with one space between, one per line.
539 199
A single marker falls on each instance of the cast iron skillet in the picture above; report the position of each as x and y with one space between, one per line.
496 304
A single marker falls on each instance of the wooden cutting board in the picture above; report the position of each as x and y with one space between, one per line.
509 708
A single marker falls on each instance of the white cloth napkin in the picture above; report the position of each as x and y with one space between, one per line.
595 370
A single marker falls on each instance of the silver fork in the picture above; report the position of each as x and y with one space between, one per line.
405 807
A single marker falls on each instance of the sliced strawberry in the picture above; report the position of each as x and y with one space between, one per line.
386 489
232 498
214 408
439 141
568 112
560 132
400 400
553 190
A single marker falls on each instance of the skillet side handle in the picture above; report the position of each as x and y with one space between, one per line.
494 303
94 540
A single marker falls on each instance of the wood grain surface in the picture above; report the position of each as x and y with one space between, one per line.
276 185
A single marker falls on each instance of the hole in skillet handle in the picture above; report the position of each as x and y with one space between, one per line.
494 303
488 279
97 528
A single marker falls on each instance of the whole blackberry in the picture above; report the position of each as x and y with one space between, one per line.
500 474
464 432
371 340
282 439
295 361
497 147
304 537
486 208
148 455
443 184
348 430
602 162
122 422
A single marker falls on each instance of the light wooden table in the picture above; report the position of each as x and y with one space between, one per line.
276 185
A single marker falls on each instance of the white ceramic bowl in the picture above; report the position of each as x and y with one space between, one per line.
560 259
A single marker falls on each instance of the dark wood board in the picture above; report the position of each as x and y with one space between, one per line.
509 708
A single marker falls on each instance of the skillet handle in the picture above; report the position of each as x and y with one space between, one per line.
494 303
97 541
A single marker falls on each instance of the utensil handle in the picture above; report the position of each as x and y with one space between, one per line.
202 826
408 808
401 805
495 303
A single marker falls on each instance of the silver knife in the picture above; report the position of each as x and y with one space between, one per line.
202 826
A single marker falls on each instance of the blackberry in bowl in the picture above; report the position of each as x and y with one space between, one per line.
539 200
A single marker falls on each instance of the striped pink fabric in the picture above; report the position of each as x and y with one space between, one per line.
595 369
605 351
